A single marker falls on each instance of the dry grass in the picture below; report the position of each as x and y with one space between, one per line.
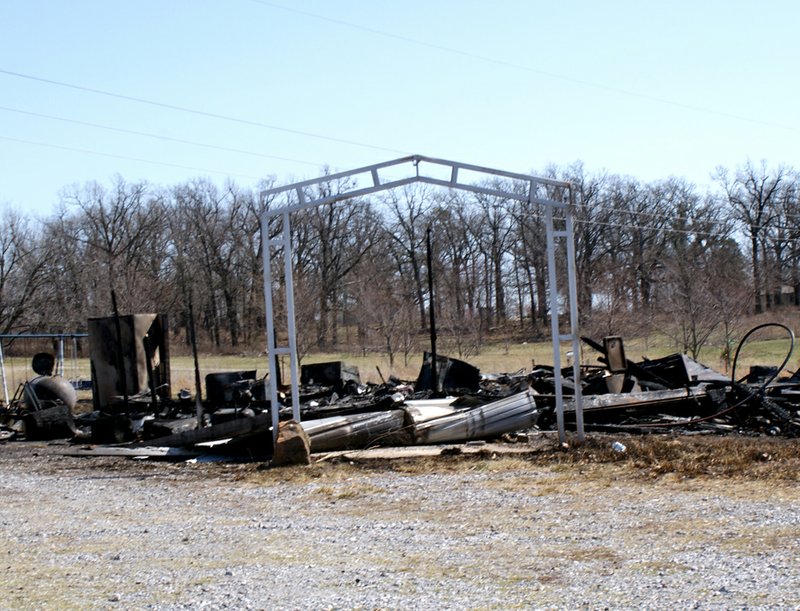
645 458
693 457
582 554
760 538
767 347
753 464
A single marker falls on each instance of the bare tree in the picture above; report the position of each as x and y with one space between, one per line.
409 208
68 277
531 253
593 217
23 260
492 233
455 223
753 194
781 244
119 231
337 238
385 306
202 247
728 289
248 266
691 294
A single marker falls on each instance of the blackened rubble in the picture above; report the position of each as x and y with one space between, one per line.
677 393
339 412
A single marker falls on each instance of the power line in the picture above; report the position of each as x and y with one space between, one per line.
689 232
522 67
158 136
670 217
710 234
696 232
126 158
653 215
657 229
198 112
767 239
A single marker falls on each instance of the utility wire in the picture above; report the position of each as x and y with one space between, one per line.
537 216
525 68
157 136
710 234
653 215
113 156
669 217
690 232
198 112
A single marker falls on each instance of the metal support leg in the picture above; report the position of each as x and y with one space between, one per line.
60 357
3 371
554 326
289 284
75 372
266 252
573 322
284 241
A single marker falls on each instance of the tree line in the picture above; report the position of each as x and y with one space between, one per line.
649 255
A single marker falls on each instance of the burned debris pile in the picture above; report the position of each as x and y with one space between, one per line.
134 413
42 407
678 393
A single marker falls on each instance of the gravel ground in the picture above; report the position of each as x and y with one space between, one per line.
489 534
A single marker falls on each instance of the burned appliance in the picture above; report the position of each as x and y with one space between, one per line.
129 364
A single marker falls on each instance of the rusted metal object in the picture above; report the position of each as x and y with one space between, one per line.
44 391
332 373
50 423
44 409
451 375
109 371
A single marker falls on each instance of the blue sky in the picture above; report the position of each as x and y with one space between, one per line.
638 88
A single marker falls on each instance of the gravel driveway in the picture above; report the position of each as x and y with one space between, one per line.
491 533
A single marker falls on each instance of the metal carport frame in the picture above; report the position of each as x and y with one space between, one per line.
299 197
